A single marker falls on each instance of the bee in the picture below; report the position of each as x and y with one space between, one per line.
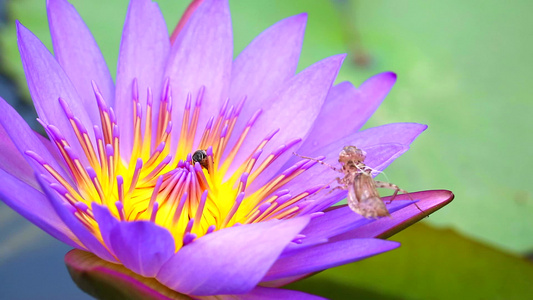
200 156
363 197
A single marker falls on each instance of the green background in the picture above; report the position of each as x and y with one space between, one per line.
464 68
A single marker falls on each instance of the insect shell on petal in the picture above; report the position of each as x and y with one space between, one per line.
363 197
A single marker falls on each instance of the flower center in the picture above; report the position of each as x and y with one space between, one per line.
187 189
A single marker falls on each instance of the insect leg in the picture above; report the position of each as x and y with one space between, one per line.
318 161
397 189
342 186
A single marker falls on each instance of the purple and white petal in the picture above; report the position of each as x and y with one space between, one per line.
267 62
47 83
141 246
327 256
428 202
336 221
201 57
143 55
264 65
394 133
78 54
149 246
12 161
23 137
106 222
292 108
347 109
229 261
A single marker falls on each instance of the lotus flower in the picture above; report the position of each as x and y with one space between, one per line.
182 171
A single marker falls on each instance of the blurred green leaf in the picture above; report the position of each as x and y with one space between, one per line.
464 69
430 264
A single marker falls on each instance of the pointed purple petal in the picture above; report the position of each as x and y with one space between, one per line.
202 56
32 205
229 261
293 108
105 221
428 202
143 54
82 233
336 221
140 246
381 156
347 109
326 256
265 293
12 161
47 83
25 139
79 55
397 133
266 63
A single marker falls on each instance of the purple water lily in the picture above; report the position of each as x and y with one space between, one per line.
183 170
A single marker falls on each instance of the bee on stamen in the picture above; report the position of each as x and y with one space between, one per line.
200 156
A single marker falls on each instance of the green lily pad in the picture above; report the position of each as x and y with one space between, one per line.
431 264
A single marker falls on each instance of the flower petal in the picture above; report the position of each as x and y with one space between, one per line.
265 64
105 280
336 221
79 55
32 205
326 256
265 293
23 137
382 144
229 261
201 56
398 133
293 108
381 156
148 246
65 213
140 246
12 161
428 202
47 83
394 133
143 54
184 18
106 222
347 109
